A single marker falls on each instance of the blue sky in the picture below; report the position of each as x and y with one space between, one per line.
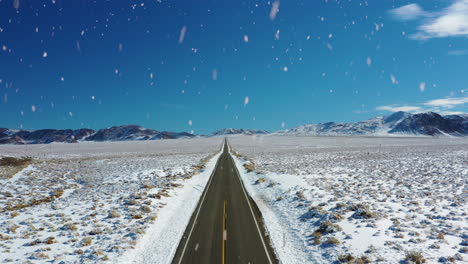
204 65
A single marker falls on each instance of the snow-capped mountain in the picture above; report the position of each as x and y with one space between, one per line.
399 123
234 131
117 133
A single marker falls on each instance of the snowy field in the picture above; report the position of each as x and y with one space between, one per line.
96 202
356 199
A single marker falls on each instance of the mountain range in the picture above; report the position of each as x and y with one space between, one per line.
117 133
399 123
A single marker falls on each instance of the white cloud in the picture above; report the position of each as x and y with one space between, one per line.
408 12
448 102
452 113
390 108
442 106
458 52
451 21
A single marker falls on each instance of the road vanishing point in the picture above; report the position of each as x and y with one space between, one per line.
226 226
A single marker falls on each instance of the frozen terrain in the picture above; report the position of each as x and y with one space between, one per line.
95 202
357 199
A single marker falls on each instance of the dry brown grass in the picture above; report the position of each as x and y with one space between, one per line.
332 241
34 202
249 167
113 214
87 241
260 180
415 257
15 162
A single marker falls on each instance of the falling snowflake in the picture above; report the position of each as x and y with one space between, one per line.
44 54
393 79
62 79
120 47
285 68
214 74
70 114
283 124
182 34
274 9
190 122
277 34
369 61
93 97
422 86
33 108
246 100
16 4
246 38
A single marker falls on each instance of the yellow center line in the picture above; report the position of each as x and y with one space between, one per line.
224 234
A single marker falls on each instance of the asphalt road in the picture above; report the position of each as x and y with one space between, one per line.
226 225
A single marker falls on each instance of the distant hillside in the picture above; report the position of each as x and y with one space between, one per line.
234 131
399 123
118 133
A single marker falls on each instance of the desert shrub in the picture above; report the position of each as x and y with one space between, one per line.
440 235
86 241
136 216
58 193
50 240
69 226
327 227
249 167
332 241
317 237
337 217
260 180
14 214
145 209
415 257
95 231
113 214
4 237
300 195
362 211
350 259
39 255
347 258
154 196
33 243
12 229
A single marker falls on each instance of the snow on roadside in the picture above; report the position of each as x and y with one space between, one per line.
160 243
359 199
91 203
288 246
